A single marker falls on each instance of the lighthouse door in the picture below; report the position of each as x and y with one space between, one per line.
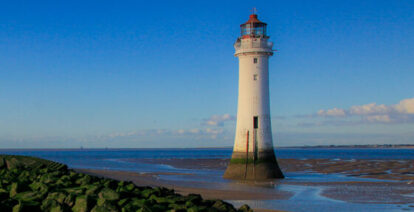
255 126
255 122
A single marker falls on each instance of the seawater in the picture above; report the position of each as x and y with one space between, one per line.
305 198
114 158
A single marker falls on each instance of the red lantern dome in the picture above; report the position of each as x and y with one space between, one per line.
253 28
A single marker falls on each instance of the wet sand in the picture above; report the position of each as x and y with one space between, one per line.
359 181
395 177
401 170
150 179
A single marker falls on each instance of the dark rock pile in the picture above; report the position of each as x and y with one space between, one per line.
33 184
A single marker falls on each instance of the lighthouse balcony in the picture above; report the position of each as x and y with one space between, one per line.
253 45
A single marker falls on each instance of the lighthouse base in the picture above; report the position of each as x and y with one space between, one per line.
247 166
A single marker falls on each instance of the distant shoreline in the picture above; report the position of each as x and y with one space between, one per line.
368 146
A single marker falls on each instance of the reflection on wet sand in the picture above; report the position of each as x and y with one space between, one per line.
318 183
402 170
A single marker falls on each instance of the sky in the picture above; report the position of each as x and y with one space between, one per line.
151 74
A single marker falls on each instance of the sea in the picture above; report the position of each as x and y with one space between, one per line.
305 198
114 159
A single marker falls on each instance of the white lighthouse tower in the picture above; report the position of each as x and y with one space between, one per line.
253 156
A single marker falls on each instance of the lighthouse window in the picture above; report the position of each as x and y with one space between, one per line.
255 122
254 60
255 77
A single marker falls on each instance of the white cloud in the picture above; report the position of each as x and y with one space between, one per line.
378 119
212 129
405 106
403 112
332 112
370 109
218 120
207 132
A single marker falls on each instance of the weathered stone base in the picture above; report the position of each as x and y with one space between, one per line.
247 167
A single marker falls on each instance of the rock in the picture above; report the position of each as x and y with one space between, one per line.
14 189
70 200
84 180
57 196
223 207
194 209
48 186
158 208
27 196
49 204
4 194
194 198
130 186
57 209
7 204
123 202
47 178
148 192
161 200
145 209
177 207
2 163
27 207
75 190
244 208
128 207
139 202
40 187
82 204
106 207
92 189
108 183
108 194
13 163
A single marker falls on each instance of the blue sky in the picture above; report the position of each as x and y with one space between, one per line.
163 74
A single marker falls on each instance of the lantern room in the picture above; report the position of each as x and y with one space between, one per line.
253 28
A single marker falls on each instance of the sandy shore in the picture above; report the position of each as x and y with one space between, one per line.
370 181
400 170
150 179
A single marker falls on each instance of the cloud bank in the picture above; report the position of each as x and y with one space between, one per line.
403 112
206 132
218 120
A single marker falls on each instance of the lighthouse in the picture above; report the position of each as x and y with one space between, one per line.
253 156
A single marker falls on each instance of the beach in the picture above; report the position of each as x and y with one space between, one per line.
316 179
362 181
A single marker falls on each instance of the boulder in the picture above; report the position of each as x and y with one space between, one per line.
57 196
82 204
13 163
28 196
144 209
92 189
14 189
106 207
223 206
4 194
194 198
2 163
70 200
51 204
84 180
108 194
244 208
27 207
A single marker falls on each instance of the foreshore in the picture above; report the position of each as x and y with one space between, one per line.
363 181
371 182
150 179
400 170
35 184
